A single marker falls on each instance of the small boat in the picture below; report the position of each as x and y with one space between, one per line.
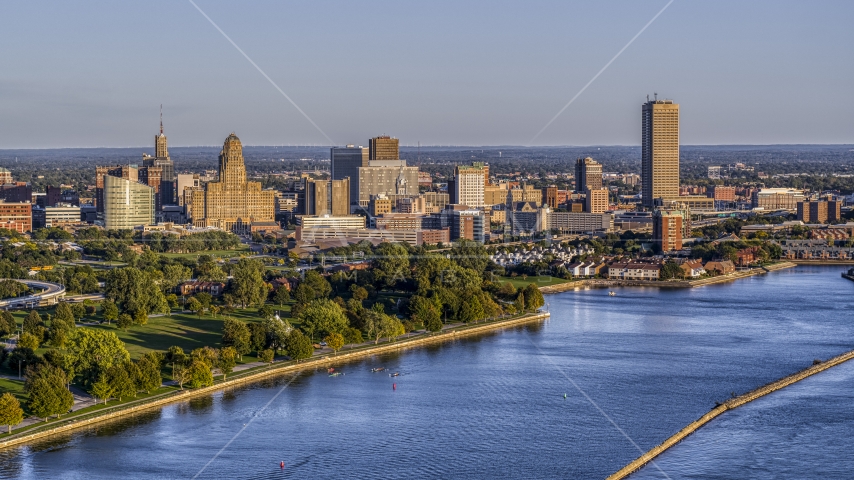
378 369
611 294
395 374
330 370
336 374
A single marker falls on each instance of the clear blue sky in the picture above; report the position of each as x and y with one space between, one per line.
93 73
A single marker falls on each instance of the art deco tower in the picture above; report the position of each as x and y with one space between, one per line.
232 171
232 203
660 151
166 189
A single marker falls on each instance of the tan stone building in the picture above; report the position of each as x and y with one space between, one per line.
588 174
231 203
596 200
660 151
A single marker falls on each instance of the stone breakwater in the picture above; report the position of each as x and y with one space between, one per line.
728 405
76 422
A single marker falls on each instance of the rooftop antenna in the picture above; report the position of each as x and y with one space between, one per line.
161 119
419 153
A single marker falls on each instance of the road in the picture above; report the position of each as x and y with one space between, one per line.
50 295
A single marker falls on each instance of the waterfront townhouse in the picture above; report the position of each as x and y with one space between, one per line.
692 269
634 271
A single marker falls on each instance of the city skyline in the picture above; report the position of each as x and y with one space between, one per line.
487 75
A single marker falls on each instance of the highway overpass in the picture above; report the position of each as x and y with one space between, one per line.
47 294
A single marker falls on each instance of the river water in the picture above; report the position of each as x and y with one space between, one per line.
635 369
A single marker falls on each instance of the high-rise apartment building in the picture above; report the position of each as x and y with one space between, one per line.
345 163
127 203
166 189
659 151
231 203
468 185
588 174
384 148
667 229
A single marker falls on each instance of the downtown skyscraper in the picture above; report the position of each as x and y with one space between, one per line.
660 151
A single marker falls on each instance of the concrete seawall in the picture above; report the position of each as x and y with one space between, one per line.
728 405
70 424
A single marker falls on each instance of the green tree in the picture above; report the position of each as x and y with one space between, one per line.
133 289
101 389
148 367
94 351
266 356
304 294
124 322
298 346
45 386
11 412
257 336
78 311
318 284
226 360
173 275
282 296
266 311
195 306
28 340
519 303
175 356
533 297
424 310
172 301
247 283
33 323
110 311
236 334
121 380
322 317
181 374
205 299
140 317
472 310
200 374
7 323
352 335
335 341
64 314
670 270
391 264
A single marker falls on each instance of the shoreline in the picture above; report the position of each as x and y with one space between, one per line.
604 283
73 422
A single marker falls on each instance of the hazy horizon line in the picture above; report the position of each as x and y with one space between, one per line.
525 147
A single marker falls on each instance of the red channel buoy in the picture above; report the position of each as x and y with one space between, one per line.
394 386
281 464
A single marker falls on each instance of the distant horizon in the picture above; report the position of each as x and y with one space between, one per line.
454 146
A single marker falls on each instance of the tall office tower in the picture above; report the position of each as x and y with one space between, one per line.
345 163
384 148
127 203
327 197
187 180
550 197
588 174
128 172
153 177
388 177
596 201
469 183
166 190
231 203
660 151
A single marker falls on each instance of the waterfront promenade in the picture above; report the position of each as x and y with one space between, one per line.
320 359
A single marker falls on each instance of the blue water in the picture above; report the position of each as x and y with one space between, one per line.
635 367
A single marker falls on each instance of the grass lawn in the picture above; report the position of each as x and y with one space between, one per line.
242 250
15 387
540 281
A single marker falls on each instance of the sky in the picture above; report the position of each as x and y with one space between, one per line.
94 73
